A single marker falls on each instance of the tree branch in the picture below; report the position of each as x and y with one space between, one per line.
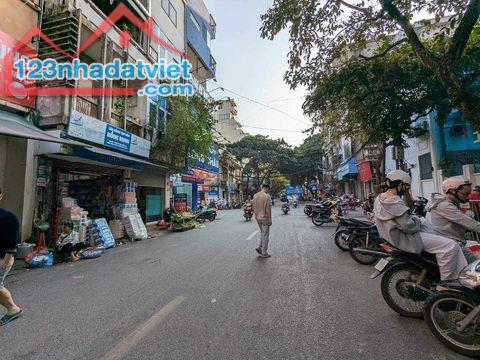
353 7
462 32
425 56
385 52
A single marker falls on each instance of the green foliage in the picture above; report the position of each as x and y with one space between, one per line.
308 160
374 101
188 135
263 156
324 35
278 183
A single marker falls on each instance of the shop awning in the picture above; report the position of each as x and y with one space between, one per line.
107 153
15 125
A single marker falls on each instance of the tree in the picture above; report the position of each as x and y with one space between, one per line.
278 183
308 160
325 33
263 156
188 135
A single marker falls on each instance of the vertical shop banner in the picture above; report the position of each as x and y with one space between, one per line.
15 90
91 129
213 164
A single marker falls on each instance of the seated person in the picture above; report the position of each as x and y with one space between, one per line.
399 228
444 216
67 243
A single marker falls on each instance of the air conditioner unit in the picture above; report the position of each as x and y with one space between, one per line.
457 130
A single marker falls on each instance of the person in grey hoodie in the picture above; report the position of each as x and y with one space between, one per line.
402 230
444 216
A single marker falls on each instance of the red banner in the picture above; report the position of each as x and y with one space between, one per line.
14 89
364 170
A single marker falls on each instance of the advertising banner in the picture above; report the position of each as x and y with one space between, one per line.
91 129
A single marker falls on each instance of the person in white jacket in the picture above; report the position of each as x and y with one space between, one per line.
402 230
444 216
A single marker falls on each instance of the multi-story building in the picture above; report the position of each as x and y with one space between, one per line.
199 182
227 130
90 118
18 133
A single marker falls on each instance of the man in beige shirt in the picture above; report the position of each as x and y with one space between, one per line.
262 208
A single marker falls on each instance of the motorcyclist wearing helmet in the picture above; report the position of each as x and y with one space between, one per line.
402 230
444 216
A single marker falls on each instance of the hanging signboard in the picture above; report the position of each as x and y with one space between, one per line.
93 130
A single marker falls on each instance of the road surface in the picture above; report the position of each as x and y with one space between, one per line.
204 294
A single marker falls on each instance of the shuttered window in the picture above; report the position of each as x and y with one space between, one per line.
426 169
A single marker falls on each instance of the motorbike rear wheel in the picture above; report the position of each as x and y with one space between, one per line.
442 311
342 239
360 241
212 217
396 293
317 220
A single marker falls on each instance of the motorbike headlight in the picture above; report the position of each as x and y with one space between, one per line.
470 275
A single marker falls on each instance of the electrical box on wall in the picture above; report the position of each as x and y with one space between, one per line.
127 174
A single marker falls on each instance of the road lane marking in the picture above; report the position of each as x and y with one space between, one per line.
122 348
252 235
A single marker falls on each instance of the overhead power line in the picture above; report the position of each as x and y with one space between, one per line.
266 106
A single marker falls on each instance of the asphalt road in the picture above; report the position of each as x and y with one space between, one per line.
204 294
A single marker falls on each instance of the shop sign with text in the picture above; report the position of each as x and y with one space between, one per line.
93 130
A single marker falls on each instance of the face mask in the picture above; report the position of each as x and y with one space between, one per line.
402 191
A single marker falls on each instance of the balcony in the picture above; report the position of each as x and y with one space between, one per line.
140 8
348 170
87 106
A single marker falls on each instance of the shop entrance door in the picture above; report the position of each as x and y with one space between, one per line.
150 203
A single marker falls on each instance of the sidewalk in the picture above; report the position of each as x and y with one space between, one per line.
153 233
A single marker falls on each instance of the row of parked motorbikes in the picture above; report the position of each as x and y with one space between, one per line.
409 281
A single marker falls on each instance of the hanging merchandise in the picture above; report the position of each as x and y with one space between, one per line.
135 227
100 234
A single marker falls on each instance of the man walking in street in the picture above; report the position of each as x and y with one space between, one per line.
262 208
9 228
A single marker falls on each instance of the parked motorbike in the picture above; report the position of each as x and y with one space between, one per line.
309 207
453 315
362 243
203 215
419 207
348 227
285 208
408 279
248 212
322 213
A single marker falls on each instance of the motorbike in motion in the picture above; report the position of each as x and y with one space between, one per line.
248 211
453 315
285 208
295 204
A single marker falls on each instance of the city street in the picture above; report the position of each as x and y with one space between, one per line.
204 294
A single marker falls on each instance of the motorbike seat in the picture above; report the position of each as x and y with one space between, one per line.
424 254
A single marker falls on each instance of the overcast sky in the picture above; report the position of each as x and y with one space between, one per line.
254 67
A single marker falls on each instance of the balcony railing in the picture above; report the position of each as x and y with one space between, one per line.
87 106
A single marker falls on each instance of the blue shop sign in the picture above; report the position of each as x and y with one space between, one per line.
88 128
213 193
213 164
117 138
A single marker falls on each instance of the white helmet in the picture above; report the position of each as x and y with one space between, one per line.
454 183
401 175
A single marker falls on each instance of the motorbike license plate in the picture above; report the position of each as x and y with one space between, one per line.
382 264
